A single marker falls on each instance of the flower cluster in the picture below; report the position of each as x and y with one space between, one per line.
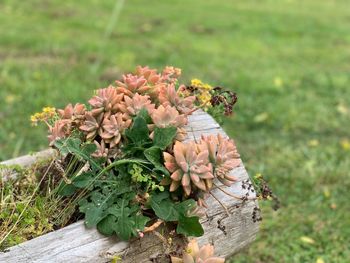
211 97
46 114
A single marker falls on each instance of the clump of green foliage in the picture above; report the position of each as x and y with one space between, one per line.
26 206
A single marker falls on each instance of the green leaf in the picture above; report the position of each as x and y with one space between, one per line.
144 114
72 145
163 207
127 221
138 133
65 189
163 137
105 225
155 156
84 180
189 226
168 210
95 210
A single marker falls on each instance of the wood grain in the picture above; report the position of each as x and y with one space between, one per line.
75 243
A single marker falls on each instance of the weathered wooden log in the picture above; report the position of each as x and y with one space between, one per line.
228 232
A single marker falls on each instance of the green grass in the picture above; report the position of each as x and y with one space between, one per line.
287 59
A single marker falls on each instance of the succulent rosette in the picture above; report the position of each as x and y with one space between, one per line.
168 96
113 128
106 100
133 105
194 254
223 156
168 116
189 167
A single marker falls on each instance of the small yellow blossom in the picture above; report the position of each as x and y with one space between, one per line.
204 97
196 82
278 82
345 144
320 260
49 110
326 193
47 113
261 117
313 143
199 84
307 240
258 176
342 109
9 99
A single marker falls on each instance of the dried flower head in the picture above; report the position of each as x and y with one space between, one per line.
189 167
194 254
223 156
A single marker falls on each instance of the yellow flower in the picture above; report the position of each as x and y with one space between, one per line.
47 113
196 82
204 97
345 144
313 143
307 240
207 87
278 82
49 110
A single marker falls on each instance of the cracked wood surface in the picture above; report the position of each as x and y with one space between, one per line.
75 243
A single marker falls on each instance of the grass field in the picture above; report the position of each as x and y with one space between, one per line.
288 60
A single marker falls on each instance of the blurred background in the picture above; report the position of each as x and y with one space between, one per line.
288 60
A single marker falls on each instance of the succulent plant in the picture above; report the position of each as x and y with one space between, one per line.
132 106
92 125
107 99
167 116
150 75
169 97
59 130
194 254
131 84
113 127
76 113
171 74
189 167
101 151
223 156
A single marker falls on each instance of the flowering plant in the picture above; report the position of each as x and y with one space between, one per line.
126 161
